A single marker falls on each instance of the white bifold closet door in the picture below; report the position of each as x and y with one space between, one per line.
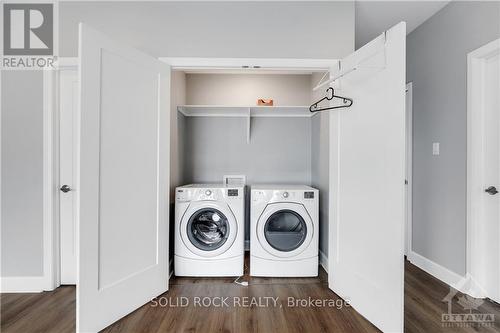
367 173
123 183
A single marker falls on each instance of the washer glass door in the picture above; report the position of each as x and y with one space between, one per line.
208 229
285 230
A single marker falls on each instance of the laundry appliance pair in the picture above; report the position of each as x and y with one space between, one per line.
210 225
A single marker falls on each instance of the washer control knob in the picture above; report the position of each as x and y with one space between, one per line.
208 192
285 194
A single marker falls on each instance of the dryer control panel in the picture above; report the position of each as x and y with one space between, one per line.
309 195
278 195
283 195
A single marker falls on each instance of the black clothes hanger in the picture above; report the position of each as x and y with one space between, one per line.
330 94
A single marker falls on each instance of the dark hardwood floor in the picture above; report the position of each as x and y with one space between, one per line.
55 311
52 311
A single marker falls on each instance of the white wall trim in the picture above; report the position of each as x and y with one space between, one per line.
1 113
50 191
442 273
51 238
67 63
191 63
475 160
185 63
323 260
23 284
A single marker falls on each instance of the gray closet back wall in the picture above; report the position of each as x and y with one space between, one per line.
279 150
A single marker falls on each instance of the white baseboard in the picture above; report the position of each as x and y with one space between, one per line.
442 273
323 260
247 245
23 284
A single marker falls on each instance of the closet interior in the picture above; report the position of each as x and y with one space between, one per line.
218 129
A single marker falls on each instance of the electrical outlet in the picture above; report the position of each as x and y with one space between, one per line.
435 148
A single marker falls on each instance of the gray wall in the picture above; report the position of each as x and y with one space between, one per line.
245 89
437 64
279 150
217 29
21 173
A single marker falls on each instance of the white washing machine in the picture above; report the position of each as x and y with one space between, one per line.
284 231
209 230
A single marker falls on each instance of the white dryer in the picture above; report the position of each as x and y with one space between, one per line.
209 230
284 231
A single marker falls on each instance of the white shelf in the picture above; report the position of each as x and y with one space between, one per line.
247 112
244 111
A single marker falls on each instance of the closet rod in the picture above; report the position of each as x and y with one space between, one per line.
371 48
336 77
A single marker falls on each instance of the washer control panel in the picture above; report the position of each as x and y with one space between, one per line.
186 194
181 195
208 194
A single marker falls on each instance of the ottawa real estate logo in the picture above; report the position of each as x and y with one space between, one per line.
28 35
464 310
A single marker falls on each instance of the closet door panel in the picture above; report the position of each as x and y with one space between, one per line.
367 163
124 180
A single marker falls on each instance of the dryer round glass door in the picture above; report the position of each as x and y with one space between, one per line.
285 230
208 229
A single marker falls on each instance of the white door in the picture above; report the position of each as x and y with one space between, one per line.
124 180
68 130
491 183
483 170
367 161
